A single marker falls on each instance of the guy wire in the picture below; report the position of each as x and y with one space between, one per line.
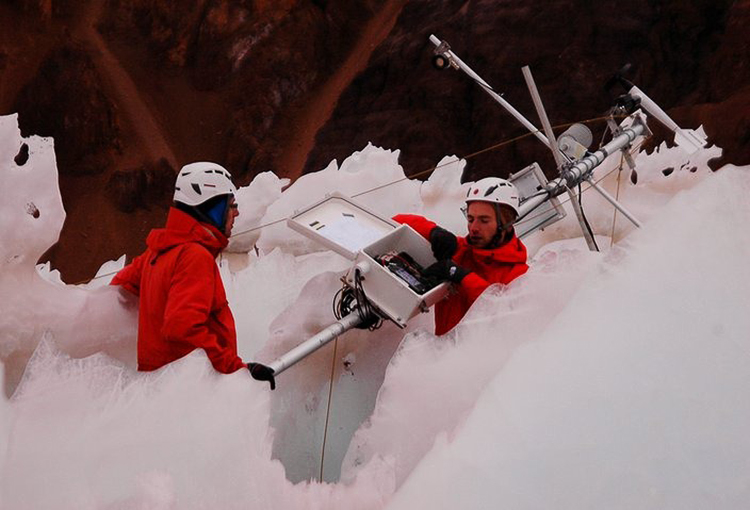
408 177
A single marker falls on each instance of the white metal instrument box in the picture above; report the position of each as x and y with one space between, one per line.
361 235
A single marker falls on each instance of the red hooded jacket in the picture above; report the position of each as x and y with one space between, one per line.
183 305
498 265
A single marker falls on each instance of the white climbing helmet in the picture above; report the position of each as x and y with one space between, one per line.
494 190
201 181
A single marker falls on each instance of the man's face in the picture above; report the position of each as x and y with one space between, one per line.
482 223
232 213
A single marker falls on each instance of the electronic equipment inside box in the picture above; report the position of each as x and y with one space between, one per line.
388 258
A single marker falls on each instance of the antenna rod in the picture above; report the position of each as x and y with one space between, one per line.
556 186
442 48
551 141
609 198
552 144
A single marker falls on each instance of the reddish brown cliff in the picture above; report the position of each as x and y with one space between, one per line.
687 56
132 89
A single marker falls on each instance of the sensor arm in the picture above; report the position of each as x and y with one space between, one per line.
443 49
582 170
311 345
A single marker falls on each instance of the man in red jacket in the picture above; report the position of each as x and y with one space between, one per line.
491 253
183 305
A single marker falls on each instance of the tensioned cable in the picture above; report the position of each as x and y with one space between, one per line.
617 197
328 407
408 177
433 168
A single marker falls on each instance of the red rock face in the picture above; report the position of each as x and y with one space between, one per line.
571 47
66 100
260 58
133 89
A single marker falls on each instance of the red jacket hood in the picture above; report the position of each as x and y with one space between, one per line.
182 228
497 265
513 251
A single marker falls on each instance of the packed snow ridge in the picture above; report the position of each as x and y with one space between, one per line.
597 380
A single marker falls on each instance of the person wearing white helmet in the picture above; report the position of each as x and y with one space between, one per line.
491 208
183 305
490 253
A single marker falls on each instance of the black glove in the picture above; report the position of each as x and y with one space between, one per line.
446 270
443 243
261 372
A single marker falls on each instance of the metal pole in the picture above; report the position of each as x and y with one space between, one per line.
620 144
583 170
588 236
313 344
455 60
613 201
574 174
551 141
532 203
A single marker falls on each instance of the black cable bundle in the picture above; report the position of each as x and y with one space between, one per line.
350 299
585 220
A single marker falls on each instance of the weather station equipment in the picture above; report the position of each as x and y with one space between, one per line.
575 163
385 280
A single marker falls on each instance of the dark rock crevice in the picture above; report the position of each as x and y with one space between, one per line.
66 101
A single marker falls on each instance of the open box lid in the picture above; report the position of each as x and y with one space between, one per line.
341 224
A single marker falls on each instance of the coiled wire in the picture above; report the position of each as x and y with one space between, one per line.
353 299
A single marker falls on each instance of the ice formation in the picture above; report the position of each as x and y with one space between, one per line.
613 379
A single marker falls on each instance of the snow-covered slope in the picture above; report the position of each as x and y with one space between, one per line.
595 380
634 395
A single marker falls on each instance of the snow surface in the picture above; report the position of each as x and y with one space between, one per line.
597 380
